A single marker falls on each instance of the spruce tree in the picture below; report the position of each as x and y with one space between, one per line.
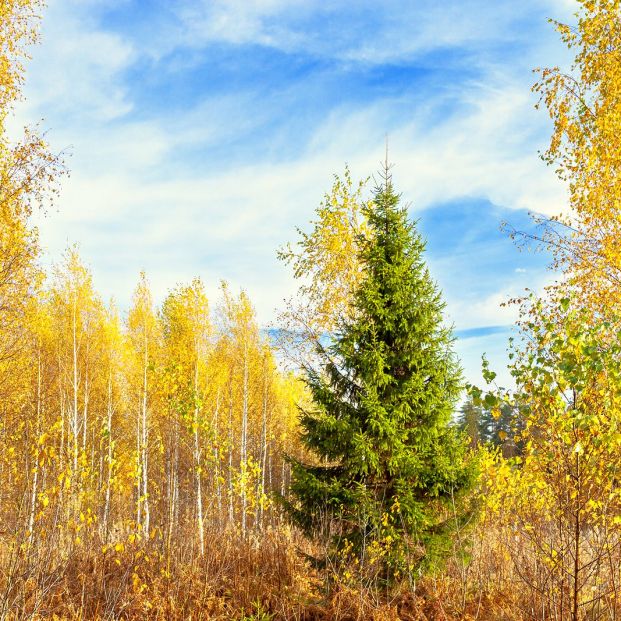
388 465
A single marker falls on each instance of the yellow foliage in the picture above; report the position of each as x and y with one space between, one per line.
325 263
584 104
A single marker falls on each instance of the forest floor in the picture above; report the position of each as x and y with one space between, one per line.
244 578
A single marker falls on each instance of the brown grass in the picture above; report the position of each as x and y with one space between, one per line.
252 578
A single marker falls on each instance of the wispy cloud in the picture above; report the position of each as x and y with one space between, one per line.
373 33
204 132
78 71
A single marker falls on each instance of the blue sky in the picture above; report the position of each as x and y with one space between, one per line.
202 132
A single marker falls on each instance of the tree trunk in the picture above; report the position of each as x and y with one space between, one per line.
109 473
244 444
261 482
35 476
577 524
145 441
230 448
216 457
75 430
197 467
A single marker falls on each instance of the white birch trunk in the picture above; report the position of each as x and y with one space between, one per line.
145 440
244 443
35 476
75 429
261 481
109 473
230 449
216 457
197 468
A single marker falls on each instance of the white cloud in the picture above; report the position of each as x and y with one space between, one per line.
495 309
494 347
492 310
567 7
240 21
233 220
123 200
136 201
390 31
76 72
487 150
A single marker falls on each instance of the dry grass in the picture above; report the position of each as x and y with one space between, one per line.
253 578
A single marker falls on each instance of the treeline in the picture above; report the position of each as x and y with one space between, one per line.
154 427
494 427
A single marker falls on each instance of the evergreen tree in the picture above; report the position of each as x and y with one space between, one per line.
387 456
501 428
473 422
